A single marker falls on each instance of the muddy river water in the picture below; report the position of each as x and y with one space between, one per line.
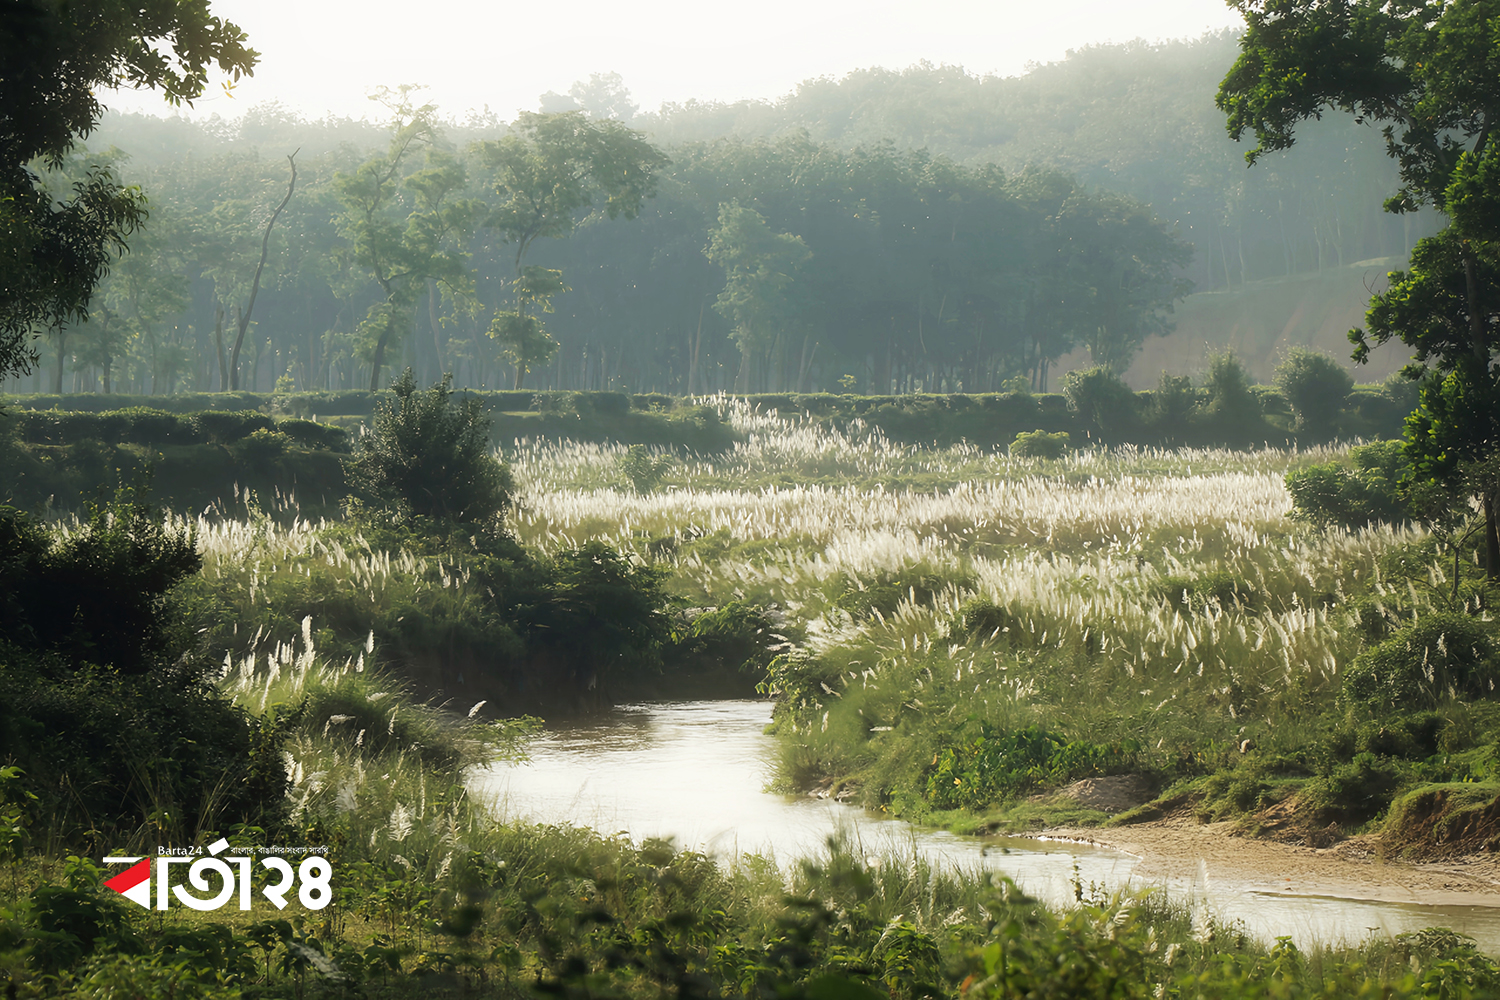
696 772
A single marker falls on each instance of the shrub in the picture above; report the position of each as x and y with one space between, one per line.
426 457
995 764
980 619
886 592
262 445
609 404
148 426
310 434
1441 655
644 470
1232 407
602 616
1040 444
1404 393
738 635
1356 791
1101 400
99 594
1173 402
1326 495
1316 386
1194 593
1329 494
228 426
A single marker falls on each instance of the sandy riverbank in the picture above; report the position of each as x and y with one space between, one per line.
1180 847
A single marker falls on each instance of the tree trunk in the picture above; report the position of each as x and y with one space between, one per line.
219 343
377 361
1492 537
807 360
265 247
742 377
692 380
432 317
62 357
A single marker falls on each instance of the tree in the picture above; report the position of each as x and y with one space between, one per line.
56 56
550 170
527 344
404 255
426 457
265 249
1426 71
761 270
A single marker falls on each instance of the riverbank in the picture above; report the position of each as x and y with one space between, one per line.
1180 848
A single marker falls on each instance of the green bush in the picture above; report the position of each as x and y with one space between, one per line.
609 404
261 445
425 457
310 434
1040 444
644 470
995 764
1102 401
1232 411
228 426
103 701
1442 655
600 618
157 427
1355 791
738 636
1329 494
981 620
1315 385
1172 403
886 591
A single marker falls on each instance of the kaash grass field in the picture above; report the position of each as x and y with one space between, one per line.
964 629
949 633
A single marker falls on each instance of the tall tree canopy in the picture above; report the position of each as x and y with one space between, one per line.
549 171
55 57
1427 71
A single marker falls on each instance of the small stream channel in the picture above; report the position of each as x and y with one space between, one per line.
696 772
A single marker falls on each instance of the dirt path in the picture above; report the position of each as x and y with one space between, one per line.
1181 847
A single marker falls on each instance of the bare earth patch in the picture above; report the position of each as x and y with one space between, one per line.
1178 846
1111 795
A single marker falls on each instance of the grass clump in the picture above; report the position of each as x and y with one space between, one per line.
1440 656
1040 444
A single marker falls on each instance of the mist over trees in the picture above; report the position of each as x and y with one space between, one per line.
891 231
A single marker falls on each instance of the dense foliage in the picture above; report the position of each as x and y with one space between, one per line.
930 268
55 246
424 456
1420 70
106 698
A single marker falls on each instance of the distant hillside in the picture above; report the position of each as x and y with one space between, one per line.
1136 118
1260 320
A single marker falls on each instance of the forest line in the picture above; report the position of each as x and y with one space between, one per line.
870 234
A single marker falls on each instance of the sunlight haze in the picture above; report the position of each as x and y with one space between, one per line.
321 58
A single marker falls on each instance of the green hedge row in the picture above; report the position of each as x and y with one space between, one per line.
141 425
986 419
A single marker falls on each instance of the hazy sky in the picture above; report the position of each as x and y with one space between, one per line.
320 56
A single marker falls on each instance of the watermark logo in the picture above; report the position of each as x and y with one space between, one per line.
311 877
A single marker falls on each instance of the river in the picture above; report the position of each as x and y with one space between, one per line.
696 772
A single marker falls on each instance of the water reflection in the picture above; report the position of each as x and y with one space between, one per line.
696 772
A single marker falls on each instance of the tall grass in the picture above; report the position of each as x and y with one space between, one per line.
1164 597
